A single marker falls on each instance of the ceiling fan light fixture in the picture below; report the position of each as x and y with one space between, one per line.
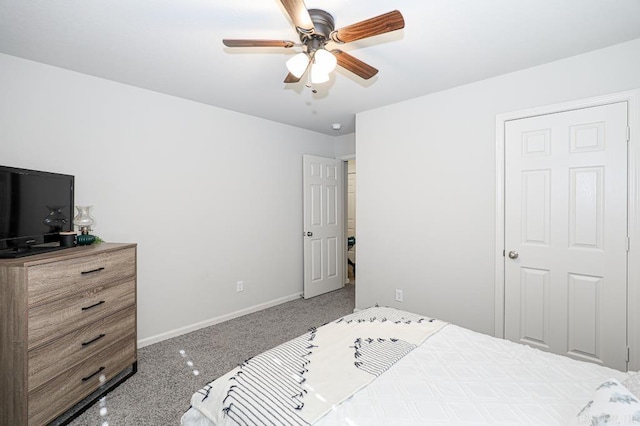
325 61
297 65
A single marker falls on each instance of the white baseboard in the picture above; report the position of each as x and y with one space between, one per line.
213 321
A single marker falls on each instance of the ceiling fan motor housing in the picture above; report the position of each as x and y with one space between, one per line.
324 24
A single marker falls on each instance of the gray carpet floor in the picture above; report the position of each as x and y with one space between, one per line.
159 393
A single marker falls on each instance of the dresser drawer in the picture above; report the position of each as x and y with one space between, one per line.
58 280
52 399
47 322
50 360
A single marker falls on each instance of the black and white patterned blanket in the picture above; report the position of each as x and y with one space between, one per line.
299 381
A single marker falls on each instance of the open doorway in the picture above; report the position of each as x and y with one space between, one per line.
351 221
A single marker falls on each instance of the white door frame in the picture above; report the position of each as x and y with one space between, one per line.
345 159
633 212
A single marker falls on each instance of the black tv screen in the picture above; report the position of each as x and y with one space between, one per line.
35 206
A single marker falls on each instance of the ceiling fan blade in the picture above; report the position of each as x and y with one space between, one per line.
385 23
290 78
257 43
354 65
299 15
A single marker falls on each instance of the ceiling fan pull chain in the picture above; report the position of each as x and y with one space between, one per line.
308 83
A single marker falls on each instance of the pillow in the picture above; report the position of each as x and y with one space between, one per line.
633 384
612 404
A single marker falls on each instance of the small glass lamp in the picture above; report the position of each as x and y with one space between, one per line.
84 221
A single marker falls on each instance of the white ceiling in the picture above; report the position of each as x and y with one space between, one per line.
174 47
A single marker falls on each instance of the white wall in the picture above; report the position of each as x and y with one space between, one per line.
210 196
426 184
345 146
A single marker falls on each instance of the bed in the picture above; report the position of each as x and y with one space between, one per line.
382 366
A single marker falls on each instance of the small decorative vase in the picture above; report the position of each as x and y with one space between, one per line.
56 219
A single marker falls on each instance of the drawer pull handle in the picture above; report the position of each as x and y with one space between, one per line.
92 271
93 340
93 306
84 379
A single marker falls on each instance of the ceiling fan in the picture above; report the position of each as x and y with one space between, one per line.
316 28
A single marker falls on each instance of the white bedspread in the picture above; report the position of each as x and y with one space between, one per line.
460 377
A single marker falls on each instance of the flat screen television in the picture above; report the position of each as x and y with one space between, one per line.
35 206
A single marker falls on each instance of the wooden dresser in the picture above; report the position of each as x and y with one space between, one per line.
67 330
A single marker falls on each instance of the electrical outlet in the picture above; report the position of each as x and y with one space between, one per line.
240 286
399 295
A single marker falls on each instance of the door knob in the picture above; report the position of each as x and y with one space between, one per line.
309 234
513 254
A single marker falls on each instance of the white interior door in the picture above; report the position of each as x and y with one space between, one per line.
324 244
566 233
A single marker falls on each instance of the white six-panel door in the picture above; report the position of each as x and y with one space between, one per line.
566 233
323 235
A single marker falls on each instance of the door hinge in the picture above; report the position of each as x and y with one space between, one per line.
503 253
628 243
628 355
628 133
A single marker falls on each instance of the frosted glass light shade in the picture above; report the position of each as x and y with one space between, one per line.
298 64
318 75
325 61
